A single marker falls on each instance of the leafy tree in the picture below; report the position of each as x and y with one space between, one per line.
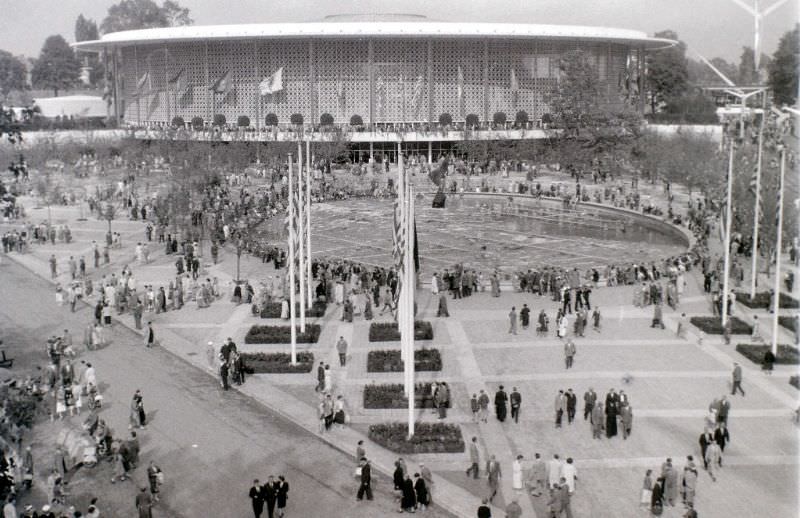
86 30
693 107
700 74
575 96
783 68
667 71
12 73
57 67
144 14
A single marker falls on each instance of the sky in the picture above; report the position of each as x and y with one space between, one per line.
714 28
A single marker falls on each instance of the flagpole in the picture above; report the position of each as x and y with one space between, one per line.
300 235
728 223
308 223
291 266
401 221
754 247
776 298
409 287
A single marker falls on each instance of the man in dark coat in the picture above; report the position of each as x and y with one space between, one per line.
612 408
281 495
706 438
572 403
721 437
256 499
516 403
589 399
365 488
269 495
500 401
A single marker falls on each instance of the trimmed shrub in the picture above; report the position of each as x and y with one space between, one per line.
499 118
277 363
763 300
547 118
795 382
787 355
326 119
273 310
392 395
521 118
220 120
713 325
296 119
271 119
197 123
356 120
178 122
281 335
243 121
387 331
445 119
472 120
789 323
428 437
389 360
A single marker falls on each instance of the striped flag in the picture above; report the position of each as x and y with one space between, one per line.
754 181
722 220
181 82
143 85
399 227
778 201
223 85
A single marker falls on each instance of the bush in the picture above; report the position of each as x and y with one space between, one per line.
499 118
389 360
787 355
326 119
178 122
219 120
281 335
243 121
392 395
273 309
763 300
713 325
271 119
472 120
428 437
789 323
356 120
19 407
277 363
547 118
387 331
445 119
521 118
197 123
296 119
795 382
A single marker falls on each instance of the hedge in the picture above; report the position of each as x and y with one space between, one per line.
277 363
428 437
281 335
795 382
392 395
243 121
273 310
197 123
713 325
387 331
788 322
296 119
445 119
271 119
472 120
499 118
763 300
356 120
178 122
389 360
220 120
787 355
326 119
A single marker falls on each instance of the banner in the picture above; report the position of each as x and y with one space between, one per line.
223 85
272 84
181 82
143 84
460 84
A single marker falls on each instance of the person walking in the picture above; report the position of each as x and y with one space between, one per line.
525 316
341 348
150 335
483 402
144 503
569 353
516 473
512 321
737 379
560 407
421 492
516 403
713 458
474 459
589 399
281 496
722 437
475 408
572 403
493 476
484 511
365 487
500 401
257 499
689 484
155 477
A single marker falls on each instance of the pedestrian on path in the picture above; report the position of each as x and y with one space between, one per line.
281 496
713 459
137 415
689 483
647 489
658 316
442 309
538 475
737 379
569 353
144 503
681 332
427 477
512 321
560 407
553 471
475 408
589 399
722 437
598 415
484 511
474 458
513 510
365 487
596 319
525 316
569 475
500 402
493 476
53 266
483 401
516 473
341 348
516 403
150 335
155 477
572 403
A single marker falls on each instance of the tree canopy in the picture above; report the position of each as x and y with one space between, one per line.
57 67
144 14
667 71
13 74
86 30
783 68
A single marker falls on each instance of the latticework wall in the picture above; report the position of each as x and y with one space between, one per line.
332 77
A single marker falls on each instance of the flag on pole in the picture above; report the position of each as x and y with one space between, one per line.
143 84
754 182
416 251
272 84
223 85
460 84
379 87
514 88
341 97
155 102
181 82
778 201
722 220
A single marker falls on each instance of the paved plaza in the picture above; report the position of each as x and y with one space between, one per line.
670 382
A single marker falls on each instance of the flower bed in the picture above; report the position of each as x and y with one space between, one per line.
281 335
788 322
389 360
387 331
273 310
428 437
763 300
713 325
277 363
795 382
787 355
391 395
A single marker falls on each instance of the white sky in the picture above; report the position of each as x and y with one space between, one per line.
711 27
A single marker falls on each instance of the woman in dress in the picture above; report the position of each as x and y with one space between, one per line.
435 284
368 309
495 285
399 476
562 326
516 473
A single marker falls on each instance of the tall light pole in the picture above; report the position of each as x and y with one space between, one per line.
757 17
776 298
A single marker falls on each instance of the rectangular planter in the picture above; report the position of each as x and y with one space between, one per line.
387 331
389 360
281 335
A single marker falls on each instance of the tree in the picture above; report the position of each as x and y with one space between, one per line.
783 68
747 74
12 73
144 14
86 30
700 74
57 68
574 98
667 71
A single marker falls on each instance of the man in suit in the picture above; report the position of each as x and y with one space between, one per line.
589 399
737 379
269 494
706 438
493 476
572 402
256 498
474 458
516 402
500 401
365 488
721 437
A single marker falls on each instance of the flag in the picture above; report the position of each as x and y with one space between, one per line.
778 200
155 102
181 82
460 84
754 182
399 227
514 83
341 97
418 86
722 221
272 84
416 251
143 84
223 85
379 87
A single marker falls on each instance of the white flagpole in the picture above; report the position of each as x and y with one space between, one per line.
308 223
754 247
300 235
291 264
400 272
409 286
776 302
728 222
